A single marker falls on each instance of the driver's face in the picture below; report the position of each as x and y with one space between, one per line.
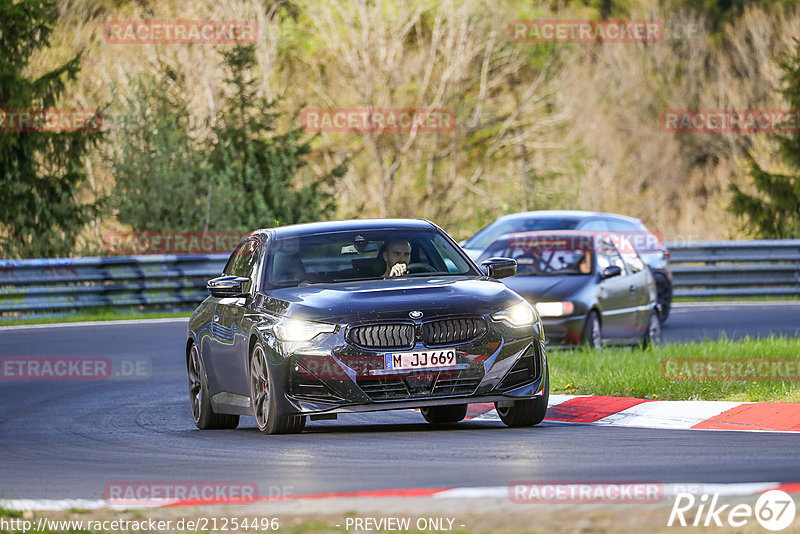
397 252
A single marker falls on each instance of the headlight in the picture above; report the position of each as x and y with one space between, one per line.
521 314
298 330
555 309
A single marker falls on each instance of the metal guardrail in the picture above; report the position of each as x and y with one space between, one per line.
54 287
736 268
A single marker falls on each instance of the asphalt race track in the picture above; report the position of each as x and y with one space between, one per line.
62 439
698 321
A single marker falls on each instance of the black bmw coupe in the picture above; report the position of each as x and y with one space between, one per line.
313 320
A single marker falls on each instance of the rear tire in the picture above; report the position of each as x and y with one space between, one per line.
592 335
442 415
528 412
202 413
663 295
263 402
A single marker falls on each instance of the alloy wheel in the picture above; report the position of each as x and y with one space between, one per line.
259 386
195 382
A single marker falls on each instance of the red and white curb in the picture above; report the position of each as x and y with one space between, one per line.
667 491
643 413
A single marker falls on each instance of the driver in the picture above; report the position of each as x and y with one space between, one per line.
397 255
585 265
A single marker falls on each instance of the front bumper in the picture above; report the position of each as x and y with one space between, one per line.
328 375
563 331
312 408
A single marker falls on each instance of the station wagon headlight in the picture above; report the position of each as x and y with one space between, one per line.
521 314
298 330
555 309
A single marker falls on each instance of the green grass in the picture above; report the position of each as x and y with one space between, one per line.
5 512
635 372
94 315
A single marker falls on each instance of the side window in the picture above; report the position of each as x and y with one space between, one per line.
595 225
615 225
243 260
634 262
608 255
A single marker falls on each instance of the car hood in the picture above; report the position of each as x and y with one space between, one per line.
548 288
390 298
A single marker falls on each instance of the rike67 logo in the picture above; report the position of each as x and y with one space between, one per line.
774 510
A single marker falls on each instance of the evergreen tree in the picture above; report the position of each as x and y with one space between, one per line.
260 165
241 178
775 211
161 174
41 172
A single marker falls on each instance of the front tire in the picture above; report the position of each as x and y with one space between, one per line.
263 401
663 295
528 412
202 413
443 415
653 334
592 335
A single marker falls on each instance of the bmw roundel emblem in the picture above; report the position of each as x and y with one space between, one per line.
415 314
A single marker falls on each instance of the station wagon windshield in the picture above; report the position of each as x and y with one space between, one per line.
546 255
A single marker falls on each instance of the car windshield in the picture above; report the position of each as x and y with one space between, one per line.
488 235
346 256
545 255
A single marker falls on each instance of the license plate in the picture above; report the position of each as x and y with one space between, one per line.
425 359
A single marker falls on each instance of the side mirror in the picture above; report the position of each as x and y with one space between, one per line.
610 272
227 286
500 267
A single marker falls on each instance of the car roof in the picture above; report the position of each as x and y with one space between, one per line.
297 230
566 214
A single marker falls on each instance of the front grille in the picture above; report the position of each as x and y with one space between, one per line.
384 389
392 388
440 332
383 336
449 331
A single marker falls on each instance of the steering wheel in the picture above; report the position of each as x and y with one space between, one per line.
420 268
